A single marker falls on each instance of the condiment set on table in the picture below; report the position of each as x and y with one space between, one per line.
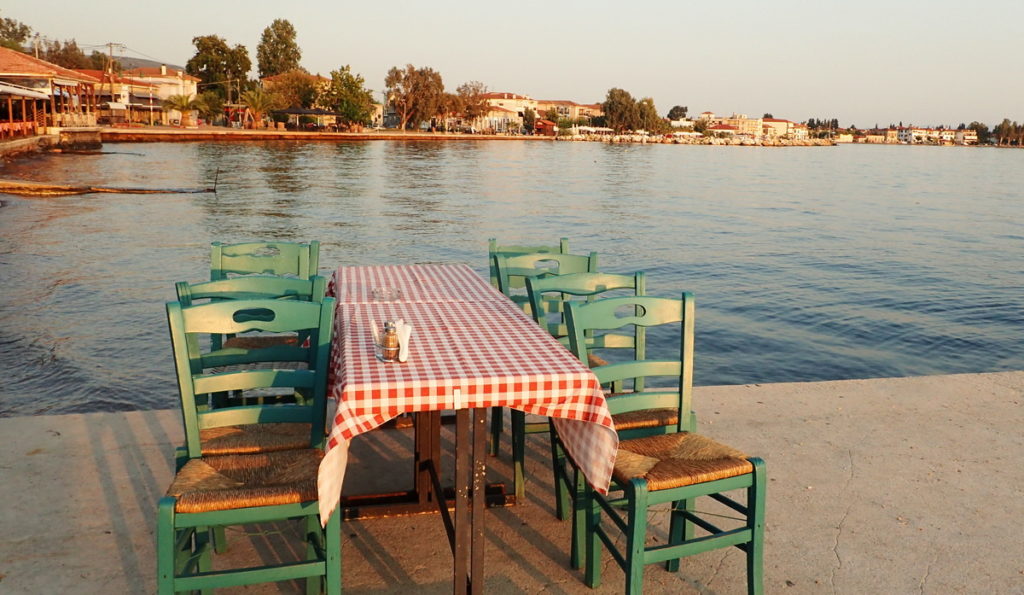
392 344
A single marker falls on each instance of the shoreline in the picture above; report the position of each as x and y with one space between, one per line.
213 133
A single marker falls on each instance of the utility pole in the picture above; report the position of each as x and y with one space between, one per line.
110 72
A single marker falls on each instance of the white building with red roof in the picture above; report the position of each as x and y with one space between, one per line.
43 93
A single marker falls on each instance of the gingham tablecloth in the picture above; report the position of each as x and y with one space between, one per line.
470 347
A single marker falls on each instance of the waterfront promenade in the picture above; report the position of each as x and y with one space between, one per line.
902 485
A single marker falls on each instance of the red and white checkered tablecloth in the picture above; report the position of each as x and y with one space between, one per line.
471 348
414 283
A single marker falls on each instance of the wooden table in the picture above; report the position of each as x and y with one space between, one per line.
471 349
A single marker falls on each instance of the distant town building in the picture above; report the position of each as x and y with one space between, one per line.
122 99
167 81
35 93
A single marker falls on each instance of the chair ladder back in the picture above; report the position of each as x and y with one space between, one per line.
196 379
493 248
520 266
647 311
274 258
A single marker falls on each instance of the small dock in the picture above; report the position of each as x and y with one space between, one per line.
895 485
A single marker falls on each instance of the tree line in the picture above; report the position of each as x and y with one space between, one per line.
416 94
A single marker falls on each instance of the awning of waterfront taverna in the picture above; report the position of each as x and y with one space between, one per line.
19 91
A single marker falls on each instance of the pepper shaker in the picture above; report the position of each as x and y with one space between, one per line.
389 342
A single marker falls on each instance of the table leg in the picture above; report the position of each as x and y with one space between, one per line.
463 483
427 454
470 485
480 435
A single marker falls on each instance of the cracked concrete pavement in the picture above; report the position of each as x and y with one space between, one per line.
897 485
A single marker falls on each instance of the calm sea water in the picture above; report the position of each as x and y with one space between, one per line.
806 263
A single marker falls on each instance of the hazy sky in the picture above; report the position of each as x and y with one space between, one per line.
927 62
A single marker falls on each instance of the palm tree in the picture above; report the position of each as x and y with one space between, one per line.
181 103
259 103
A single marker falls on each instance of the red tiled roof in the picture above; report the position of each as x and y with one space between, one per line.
154 71
557 101
116 78
774 120
502 96
15 63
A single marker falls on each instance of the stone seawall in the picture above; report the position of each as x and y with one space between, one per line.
33 144
141 135
703 140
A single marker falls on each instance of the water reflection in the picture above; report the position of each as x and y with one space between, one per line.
807 264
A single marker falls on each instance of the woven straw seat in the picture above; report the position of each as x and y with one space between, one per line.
645 418
260 341
254 438
675 460
242 481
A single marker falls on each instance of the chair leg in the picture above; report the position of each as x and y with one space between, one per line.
497 422
166 554
755 520
314 584
592 573
579 518
636 538
560 475
680 530
332 541
519 454
220 540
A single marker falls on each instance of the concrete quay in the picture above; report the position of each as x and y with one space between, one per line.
894 485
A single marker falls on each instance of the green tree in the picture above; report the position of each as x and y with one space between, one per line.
620 110
277 51
14 34
551 115
347 95
216 65
648 117
183 104
211 106
984 135
296 88
260 103
66 54
417 94
1003 132
99 61
678 112
471 102
529 119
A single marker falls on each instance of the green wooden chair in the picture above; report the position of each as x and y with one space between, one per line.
246 351
212 491
299 260
512 269
548 298
676 467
